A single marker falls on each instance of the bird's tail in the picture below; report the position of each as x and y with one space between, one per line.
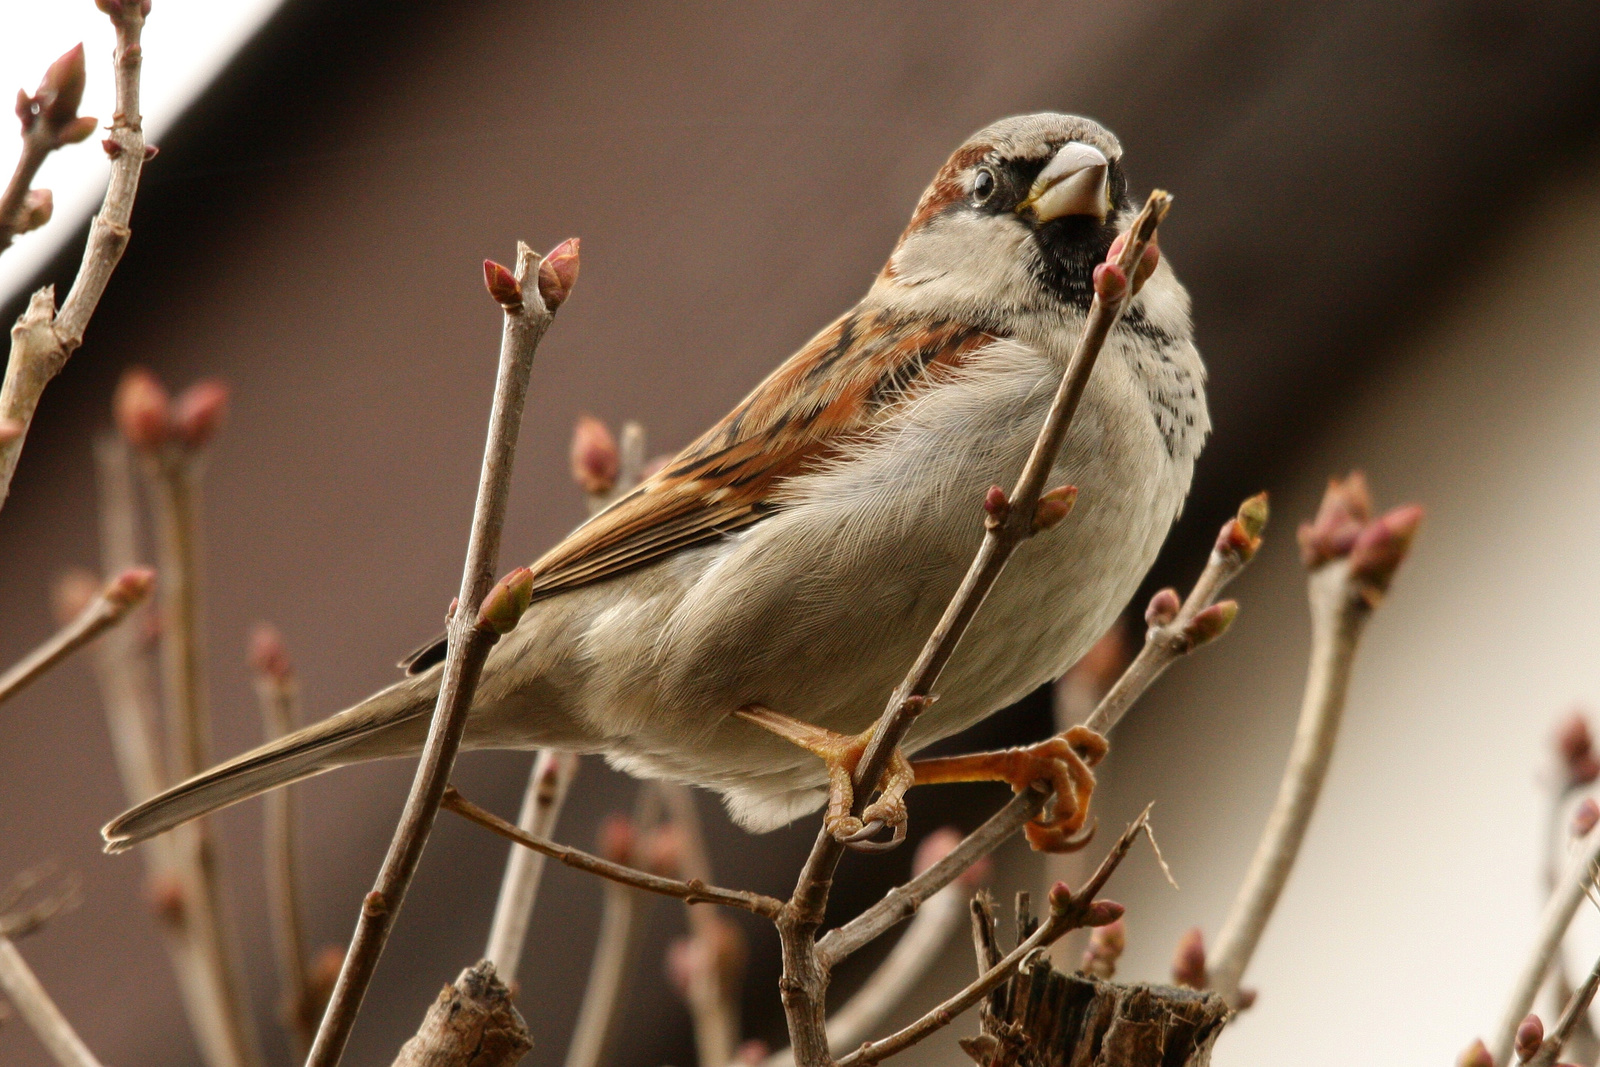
389 723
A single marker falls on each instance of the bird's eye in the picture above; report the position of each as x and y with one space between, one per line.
983 185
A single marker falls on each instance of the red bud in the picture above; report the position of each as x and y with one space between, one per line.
1103 913
1189 961
1476 1055
1530 1035
596 459
61 91
1585 817
37 207
1211 623
996 505
199 412
617 838
502 285
1106 945
142 410
1381 547
130 587
507 601
1346 507
1053 507
1576 747
1149 259
268 655
1164 607
1110 284
150 152
167 899
558 273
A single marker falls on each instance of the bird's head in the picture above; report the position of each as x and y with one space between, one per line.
1017 218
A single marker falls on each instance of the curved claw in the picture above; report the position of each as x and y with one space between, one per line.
860 841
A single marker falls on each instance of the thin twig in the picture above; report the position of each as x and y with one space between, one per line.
1352 559
278 694
528 306
618 921
1011 521
1068 911
1172 635
1558 914
119 596
39 1011
552 775
1575 1011
712 997
49 121
693 892
173 477
43 339
902 902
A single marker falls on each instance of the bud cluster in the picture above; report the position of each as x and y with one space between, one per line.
150 420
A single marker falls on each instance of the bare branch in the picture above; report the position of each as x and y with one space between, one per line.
1178 629
42 339
50 121
902 902
39 1011
692 891
528 300
1068 911
1573 1014
278 694
113 602
1352 559
552 774
618 917
472 1024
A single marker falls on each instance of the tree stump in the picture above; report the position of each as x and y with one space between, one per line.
472 1024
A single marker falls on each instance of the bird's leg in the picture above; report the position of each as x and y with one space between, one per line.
1063 761
841 753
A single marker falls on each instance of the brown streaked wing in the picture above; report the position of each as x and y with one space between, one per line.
833 389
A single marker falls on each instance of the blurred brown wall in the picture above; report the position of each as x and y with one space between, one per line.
737 172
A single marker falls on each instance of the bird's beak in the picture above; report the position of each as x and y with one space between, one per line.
1073 183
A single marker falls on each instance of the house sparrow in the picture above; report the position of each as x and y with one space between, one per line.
774 581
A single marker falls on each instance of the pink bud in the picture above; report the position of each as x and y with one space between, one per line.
1585 817
268 656
1211 623
1115 252
166 897
1476 1055
752 1053
1164 607
199 413
1149 259
141 409
61 91
1381 546
1110 284
1530 1035
1060 897
72 593
1576 746
596 459
507 601
502 285
1346 507
150 152
130 587
558 273
37 207
1189 961
995 504
661 851
1053 507
1103 913
617 838
1106 945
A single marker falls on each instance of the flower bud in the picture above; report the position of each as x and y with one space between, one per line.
268 657
1149 260
1060 897
60 93
167 899
1106 945
1476 1055
1380 548
1053 507
1211 623
1164 607
996 505
1346 507
131 587
596 459
507 601
1241 535
1585 817
502 285
1530 1035
617 838
199 412
142 410
37 207
1103 913
1110 284
558 273
1189 961
1576 747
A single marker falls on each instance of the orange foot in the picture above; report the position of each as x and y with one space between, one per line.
1062 762
841 753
